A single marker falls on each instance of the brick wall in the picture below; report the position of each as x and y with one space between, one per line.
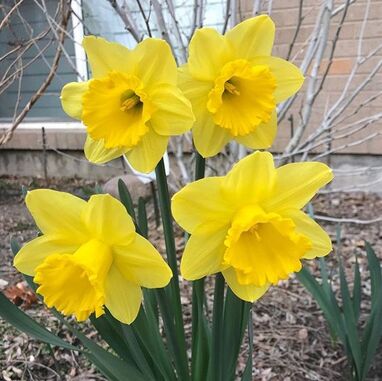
285 15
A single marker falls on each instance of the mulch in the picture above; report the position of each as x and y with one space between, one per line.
291 339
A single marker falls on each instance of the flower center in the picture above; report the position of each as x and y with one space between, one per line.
242 97
263 247
74 283
116 109
129 100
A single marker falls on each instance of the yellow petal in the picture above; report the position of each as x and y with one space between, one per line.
262 137
105 56
155 62
208 52
321 242
123 298
58 213
147 154
107 220
173 115
33 253
209 139
96 152
248 293
195 90
199 203
251 179
203 254
252 37
71 98
296 184
140 263
289 78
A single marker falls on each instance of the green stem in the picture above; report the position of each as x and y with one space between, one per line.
216 365
165 208
200 334
200 166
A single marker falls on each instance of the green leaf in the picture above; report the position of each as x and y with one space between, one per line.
201 334
125 197
215 369
236 313
350 321
357 290
142 217
111 366
146 328
20 320
247 374
172 298
373 330
113 335
328 305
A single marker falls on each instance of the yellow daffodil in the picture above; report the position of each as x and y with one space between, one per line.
132 105
248 224
234 85
89 256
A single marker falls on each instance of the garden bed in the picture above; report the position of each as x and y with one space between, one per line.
291 339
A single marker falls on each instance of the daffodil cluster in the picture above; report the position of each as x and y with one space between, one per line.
247 225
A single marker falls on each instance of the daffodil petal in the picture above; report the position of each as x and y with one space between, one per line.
105 56
321 242
122 298
199 203
252 37
262 137
296 184
96 152
33 253
195 90
142 264
155 62
209 139
107 220
58 213
173 115
208 52
203 254
251 179
71 98
289 78
248 293
147 154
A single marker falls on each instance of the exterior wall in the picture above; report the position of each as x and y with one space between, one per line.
34 74
285 16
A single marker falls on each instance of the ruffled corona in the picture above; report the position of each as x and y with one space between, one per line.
263 248
248 224
119 102
89 256
242 97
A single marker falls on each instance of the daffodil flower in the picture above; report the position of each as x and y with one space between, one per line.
234 85
248 224
89 256
132 105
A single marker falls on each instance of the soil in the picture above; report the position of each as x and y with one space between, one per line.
291 338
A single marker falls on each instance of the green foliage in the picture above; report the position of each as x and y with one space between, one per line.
344 319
